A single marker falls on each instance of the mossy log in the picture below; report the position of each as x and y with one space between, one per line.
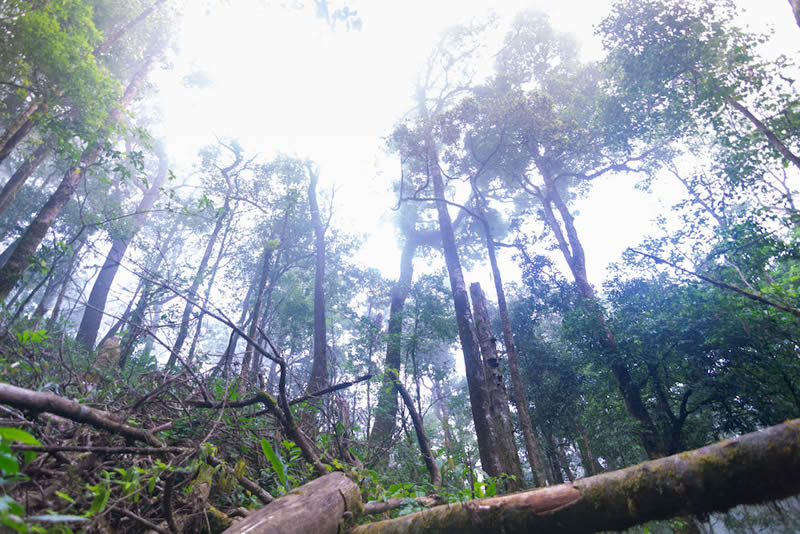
322 506
747 469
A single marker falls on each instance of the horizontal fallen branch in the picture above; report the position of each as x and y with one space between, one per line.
379 507
100 450
747 469
45 401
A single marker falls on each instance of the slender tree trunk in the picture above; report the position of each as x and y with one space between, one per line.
386 409
183 332
210 286
796 10
572 249
20 258
93 314
24 172
478 394
422 439
319 367
255 315
498 396
532 448
50 292
17 130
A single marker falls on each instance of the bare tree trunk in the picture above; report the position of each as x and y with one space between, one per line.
478 394
498 396
319 368
17 130
94 311
24 172
255 314
419 429
183 332
20 258
386 410
532 448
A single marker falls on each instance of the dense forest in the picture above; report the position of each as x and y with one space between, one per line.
202 343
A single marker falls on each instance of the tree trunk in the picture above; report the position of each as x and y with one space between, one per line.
796 10
532 448
319 368
386 410
96 305
422 439
747 469
478 394
20 258
572 249
183 332
498 396
17 130
24 172
319 507
255 314
773 140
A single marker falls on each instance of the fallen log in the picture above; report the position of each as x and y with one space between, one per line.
753 468
322 506
45 401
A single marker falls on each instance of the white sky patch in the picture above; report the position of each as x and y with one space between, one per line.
284 82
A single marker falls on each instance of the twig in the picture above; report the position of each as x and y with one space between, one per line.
99 450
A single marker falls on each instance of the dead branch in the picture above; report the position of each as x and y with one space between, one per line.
45 401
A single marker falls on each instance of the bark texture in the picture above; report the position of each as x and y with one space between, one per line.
319 367
476 381
319 507
747 469
496 386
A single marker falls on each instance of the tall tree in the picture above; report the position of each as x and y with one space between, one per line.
95 306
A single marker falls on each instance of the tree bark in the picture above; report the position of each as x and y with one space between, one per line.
255 314
22 174
17 130
478 394
320 506
498 396
532 448
386 410
319 368
19 259
796 10
95 309
747 469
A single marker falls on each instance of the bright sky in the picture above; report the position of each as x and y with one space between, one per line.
283 81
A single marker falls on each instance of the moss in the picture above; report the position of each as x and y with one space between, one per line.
219 521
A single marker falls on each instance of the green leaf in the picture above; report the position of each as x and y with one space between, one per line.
65 497
15 434
275 460
101 495
8 463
